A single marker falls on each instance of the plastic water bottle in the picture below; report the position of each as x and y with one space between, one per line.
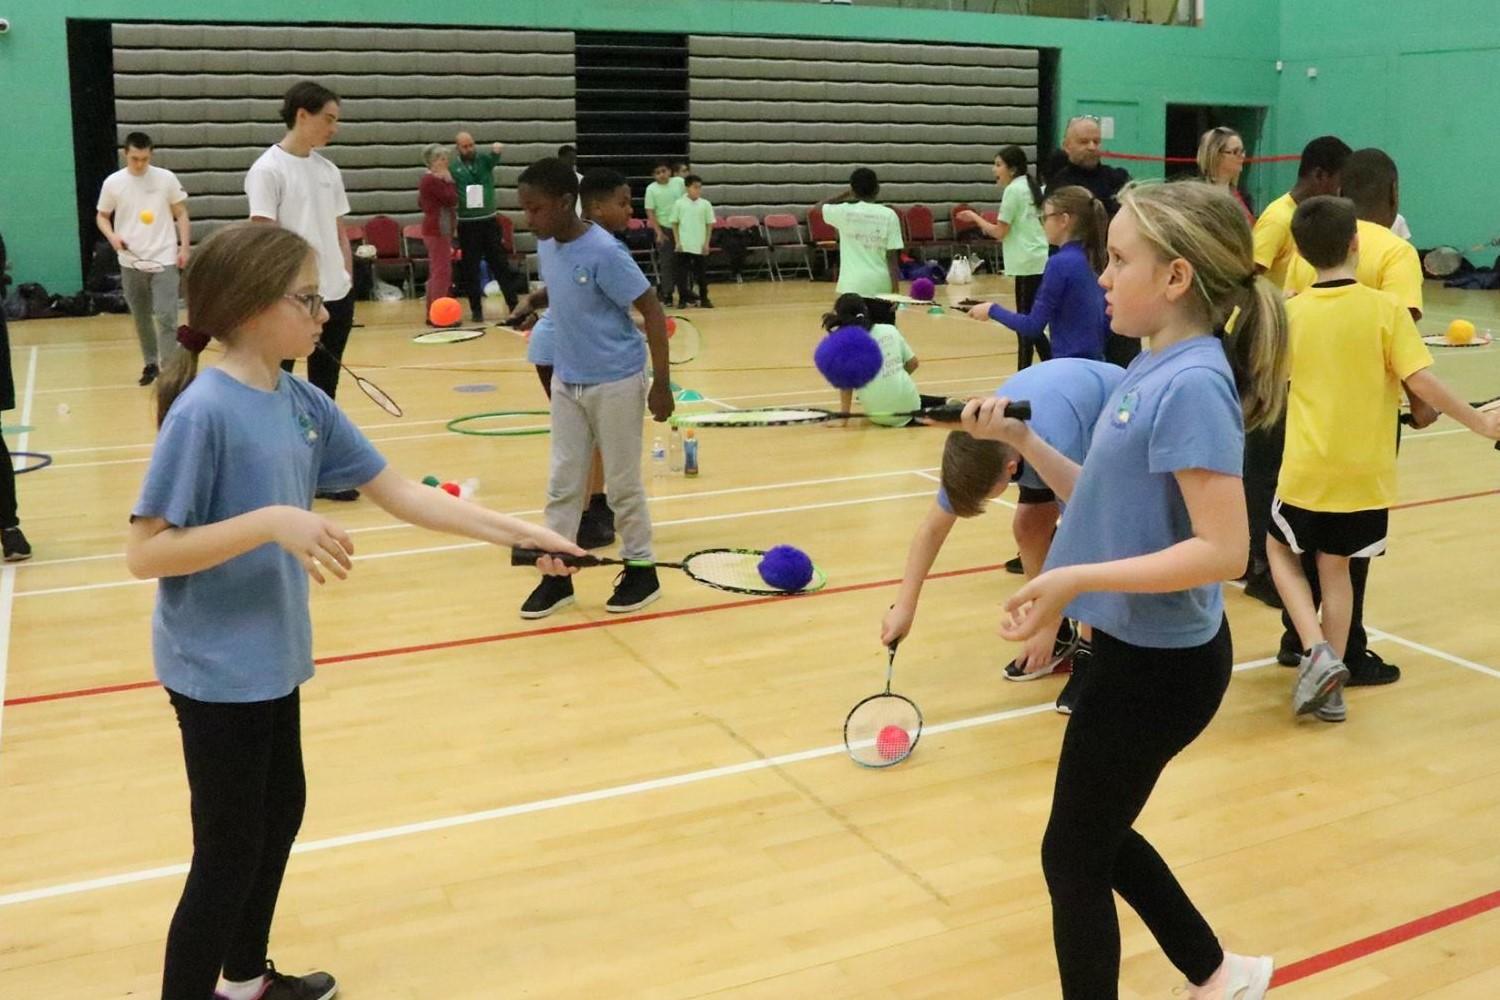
658 459
689 454
674 451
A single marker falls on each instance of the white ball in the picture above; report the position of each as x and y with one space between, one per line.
492 290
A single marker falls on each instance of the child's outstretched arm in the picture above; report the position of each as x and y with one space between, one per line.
154 548
429 508
1431 389
925 545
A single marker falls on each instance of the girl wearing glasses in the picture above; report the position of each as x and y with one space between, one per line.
1069 301
223 521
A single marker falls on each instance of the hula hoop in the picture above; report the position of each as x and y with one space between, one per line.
44 460
456 425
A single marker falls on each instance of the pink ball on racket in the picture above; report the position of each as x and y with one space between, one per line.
892 742
923 289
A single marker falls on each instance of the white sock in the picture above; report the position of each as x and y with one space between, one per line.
250 989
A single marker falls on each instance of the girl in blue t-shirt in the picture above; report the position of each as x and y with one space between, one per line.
1156 521
1069 300
223 521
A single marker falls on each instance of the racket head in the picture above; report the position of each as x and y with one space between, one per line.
685 343
738 572
140 264
1481 339
457 335
765 416
377 395
1441 262
874 716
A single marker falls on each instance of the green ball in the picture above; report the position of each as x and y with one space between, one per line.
431 481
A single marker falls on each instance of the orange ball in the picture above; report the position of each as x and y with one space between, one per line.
445 312
671 327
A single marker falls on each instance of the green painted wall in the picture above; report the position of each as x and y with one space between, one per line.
1416 79
1129 71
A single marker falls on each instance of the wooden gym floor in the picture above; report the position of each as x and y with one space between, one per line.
657 806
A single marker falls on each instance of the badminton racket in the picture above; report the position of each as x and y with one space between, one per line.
454 335
145 266
683 340
1483 406
1441 262
883 729
377 395
734 570
948 413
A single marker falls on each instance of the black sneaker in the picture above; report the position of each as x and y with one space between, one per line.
635 588
552 594
1015 566
1067 641
597 529
707 304
148 375
1261 587
1367 671
17 548
1083 660
279 986
1290 652
344 496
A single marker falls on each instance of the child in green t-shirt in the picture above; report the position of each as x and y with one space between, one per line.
691 229
661 199
870 240
893 390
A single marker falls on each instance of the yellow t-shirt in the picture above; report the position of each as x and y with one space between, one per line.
1351 346
1274 246
1386 262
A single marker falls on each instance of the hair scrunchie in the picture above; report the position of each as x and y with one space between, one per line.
194 340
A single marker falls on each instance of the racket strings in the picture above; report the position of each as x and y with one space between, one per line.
882 730
738 571
754 417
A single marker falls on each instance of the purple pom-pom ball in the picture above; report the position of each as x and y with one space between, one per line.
786 567
922 288
848 357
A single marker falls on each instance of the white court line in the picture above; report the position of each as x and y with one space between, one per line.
1376 633
928 475
461 546
8 573
539 805
760 488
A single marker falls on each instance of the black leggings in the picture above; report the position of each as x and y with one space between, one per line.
481 240
244 770
691 267
323 370
8 518
1027 285
1140 708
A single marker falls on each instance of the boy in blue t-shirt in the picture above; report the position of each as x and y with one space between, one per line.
1067 395
599 392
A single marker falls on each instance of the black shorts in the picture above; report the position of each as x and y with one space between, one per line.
1030 495
1357 534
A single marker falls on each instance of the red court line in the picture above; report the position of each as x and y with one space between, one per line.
477 640
1429 503
1364 947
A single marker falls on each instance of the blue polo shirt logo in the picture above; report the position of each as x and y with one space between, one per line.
1126 409
581 275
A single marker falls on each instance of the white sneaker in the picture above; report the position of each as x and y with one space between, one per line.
1245 978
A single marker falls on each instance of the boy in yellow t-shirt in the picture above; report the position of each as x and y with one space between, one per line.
1317 173
1352 347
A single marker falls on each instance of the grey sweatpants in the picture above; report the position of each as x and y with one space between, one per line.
608 416
152 299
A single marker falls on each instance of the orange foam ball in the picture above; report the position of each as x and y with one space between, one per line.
671 327
445 312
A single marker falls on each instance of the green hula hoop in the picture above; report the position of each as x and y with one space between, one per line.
457 424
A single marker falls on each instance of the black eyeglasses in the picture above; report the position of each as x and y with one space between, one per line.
311 301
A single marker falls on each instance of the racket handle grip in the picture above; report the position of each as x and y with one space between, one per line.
951 413
528 557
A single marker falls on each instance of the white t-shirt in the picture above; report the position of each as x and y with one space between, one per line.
306 195
127 196
1400 228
